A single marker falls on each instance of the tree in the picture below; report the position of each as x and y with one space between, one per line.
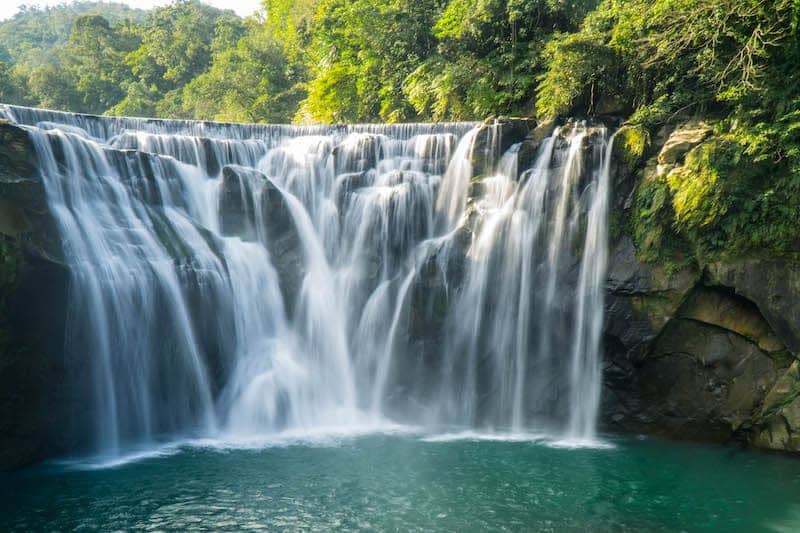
489 55
251 82
362 53
94 58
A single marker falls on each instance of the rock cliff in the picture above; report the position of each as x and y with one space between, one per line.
704 351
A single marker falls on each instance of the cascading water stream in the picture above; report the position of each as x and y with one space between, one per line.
241 281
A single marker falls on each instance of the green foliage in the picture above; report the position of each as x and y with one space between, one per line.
9 91
671 55
655 61
488 56
726 202
94 59
249 82
635 140
663 61
178 41
722 202
580 69
652 215
307 60
360 52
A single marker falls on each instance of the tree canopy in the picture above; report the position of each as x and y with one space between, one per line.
308 60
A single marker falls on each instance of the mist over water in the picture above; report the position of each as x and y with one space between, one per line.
237 282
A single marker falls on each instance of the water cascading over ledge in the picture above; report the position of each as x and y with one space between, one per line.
241 281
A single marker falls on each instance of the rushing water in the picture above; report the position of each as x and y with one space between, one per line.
241 281
416 483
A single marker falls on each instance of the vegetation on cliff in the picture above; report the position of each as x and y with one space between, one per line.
733 62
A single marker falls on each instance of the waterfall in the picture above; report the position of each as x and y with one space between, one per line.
236 281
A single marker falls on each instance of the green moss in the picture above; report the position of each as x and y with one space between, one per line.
728 204
652 224
634 141
631 144
722 203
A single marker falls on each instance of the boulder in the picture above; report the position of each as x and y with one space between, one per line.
264 215
349 182
681 141
357 153
237 214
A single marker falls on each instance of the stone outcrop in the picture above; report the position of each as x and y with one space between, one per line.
699 353
35 399
779 427
494 137
773 285
681 141
242 211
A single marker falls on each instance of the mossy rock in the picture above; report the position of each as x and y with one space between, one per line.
16 152
682 140
631 144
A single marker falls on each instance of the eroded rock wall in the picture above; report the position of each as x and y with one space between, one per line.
703 352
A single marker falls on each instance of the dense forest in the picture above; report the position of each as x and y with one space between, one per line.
307 60
732 62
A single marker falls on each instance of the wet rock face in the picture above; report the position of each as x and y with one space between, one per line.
774 286
35 396
641 298
702 381
688 360
779 424
496 136
236 205
358 153
252 207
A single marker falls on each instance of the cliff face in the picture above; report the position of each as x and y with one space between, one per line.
37 406
700 351
705 352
